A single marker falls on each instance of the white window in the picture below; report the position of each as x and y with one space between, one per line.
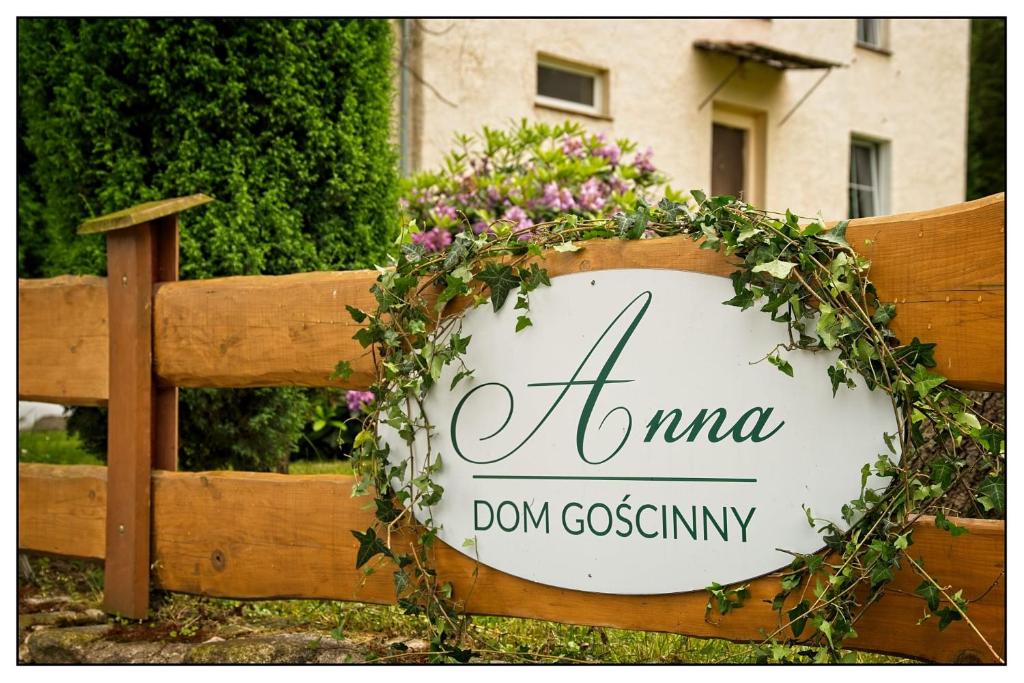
868 178
871 33
571 87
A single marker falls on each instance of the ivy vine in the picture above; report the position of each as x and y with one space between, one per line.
806 277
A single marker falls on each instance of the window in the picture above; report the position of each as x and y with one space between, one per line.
868 178
737 153
871 33
571 87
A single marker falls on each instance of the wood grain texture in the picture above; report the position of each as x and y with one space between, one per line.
253 331
62 509
63 340
165 427
130 420
293 329
946 269
141 213
246 535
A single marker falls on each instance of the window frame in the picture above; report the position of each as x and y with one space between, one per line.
600 78
882 29
879 165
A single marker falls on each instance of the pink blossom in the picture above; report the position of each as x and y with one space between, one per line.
591 195
619 185
559 199
432 240
566 198
523 223
445 211
572 147
610 151
358 400
493 194
642 162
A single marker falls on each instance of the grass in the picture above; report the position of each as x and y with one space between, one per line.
54 447
320 467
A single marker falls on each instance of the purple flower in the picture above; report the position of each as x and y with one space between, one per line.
591 195
619 185
358 400
481 226
444 211
493 195
559 199
572 147
523 223
642 162
610 151
566 198
432 240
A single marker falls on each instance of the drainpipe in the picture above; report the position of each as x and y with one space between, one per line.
403 99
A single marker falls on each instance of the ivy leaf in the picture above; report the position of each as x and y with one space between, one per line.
943 523
462 273
776 268
459 344
342 371
947 615
884 313
401 582
459 376
942 472
522 322
993 494
369 546
566 247
698 196
795 616
357 315
813 229
781 363
500 279
930 593
925 381
836 235
916 353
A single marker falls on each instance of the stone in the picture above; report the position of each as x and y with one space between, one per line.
281 649
62 645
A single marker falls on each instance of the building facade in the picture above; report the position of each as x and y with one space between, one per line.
847 117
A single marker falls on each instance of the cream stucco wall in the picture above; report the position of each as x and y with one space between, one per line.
914 98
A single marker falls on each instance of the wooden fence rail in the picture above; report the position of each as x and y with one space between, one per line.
249 535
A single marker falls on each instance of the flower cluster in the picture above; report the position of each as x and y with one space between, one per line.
524 176
358 400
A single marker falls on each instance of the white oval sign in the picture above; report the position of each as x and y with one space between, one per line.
628 443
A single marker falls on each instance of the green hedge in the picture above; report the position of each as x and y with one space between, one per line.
285 122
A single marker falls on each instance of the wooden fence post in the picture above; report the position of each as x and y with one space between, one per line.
142 419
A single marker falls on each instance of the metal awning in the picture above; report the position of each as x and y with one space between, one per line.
764 54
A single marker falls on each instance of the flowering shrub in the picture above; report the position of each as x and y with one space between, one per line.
527 175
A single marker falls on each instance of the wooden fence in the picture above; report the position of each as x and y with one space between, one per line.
129 340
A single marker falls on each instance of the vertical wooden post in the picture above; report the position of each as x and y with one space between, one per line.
165 269
142 421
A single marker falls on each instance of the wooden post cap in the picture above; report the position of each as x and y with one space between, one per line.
141 213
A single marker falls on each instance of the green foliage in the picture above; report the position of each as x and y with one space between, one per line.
810 280
285 122
986 130
509 180
55 447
